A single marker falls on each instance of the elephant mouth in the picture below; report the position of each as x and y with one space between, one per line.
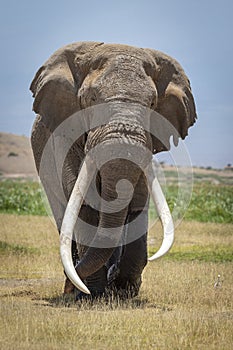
72 211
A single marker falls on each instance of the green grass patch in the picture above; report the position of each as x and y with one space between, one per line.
217 254
7 248
220 255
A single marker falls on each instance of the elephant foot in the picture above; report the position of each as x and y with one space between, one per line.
122 287
125 289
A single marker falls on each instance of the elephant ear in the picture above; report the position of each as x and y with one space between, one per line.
55 91
175 101
55 85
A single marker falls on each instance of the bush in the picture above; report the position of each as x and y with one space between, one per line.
21 198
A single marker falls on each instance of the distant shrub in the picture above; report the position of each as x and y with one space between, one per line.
12 154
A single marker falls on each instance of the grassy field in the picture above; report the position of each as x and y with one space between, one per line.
178 306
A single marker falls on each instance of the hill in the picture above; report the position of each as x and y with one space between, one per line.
16 159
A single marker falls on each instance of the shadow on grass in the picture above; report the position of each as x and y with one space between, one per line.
105 303
39 292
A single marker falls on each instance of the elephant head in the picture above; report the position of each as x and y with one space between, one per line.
131 82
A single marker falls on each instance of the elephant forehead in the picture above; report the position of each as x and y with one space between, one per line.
122 53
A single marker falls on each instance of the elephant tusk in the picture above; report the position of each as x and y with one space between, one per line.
69 220
164 215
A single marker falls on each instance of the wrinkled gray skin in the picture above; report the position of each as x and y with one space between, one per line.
84 74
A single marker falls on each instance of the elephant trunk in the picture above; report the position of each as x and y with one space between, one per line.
118 178
116 196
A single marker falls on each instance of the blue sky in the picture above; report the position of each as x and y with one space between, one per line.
197 33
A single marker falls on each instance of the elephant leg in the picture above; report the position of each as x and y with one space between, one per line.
133 260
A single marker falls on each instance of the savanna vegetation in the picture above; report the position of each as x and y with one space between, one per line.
209 203
186 297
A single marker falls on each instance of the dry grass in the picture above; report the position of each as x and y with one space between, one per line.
178 306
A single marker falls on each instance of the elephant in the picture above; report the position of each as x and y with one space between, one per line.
114 95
